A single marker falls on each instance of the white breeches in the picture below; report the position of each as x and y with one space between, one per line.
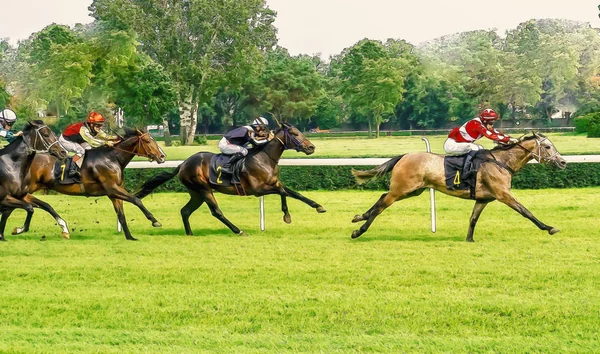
79 149
453 148
228 148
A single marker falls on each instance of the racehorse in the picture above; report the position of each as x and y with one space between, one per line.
101 174
259 176
16 161
414 172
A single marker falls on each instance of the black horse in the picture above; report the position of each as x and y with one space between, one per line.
259 176
15 160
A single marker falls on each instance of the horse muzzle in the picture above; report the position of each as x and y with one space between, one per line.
560 163
308 149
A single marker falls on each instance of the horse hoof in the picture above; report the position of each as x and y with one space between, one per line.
355 234
357 218
132 239
2 239
66 235
553 230
156 224
17 231
242 233
287 219
469 240
320 209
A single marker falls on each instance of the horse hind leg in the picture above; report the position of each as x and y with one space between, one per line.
192 205
383 203
209 198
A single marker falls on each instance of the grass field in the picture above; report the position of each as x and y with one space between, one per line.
306 287
567 144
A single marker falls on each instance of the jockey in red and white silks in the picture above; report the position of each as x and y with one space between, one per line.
461 140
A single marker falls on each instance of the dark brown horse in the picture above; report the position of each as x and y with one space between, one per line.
259 176
15 160
101 174
413 173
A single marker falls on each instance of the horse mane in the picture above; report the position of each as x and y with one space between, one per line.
503 147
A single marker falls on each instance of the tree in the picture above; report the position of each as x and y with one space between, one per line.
203 44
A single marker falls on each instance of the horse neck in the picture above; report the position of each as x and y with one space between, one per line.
124 151
273 150
516 157
19 153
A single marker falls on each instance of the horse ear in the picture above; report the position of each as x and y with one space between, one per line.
139 132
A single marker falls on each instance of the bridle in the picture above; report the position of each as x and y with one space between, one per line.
140 149
289 138
537 152
38 135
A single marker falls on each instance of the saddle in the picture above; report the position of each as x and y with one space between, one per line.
454 172
218 178
61 172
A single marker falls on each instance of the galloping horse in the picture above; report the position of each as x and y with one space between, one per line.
101 174
16 161
413 173
260 176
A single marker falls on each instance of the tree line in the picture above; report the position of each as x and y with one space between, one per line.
200 66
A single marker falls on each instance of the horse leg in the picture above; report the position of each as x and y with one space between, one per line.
303 199
509 200
365 216
118 205
384 202
116 191
210 200
47 208
477 209
287 218
192 205
5 214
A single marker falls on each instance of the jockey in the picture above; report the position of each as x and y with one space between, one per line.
7 119
461 140
83 136
237 141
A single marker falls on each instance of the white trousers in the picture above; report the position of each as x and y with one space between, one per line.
79 149
229 149
453 148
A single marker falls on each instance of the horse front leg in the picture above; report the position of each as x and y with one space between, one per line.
118 205
116 191
37 203
5 214
477 209
303 199
509 200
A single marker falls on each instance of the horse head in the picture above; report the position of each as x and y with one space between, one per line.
542 150
292 138
142 144
39 137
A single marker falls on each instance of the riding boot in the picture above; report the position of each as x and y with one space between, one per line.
74 167
468 169
228 167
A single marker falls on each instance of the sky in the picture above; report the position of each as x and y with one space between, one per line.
328 26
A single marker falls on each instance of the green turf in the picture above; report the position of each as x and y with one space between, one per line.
567 144
306 287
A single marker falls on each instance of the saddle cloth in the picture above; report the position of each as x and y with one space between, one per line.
453 167
215 175
61 172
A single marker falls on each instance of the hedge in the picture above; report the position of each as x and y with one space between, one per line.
303 178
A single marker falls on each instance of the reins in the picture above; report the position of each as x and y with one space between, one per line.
138 146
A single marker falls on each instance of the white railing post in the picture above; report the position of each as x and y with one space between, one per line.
262 212
431 193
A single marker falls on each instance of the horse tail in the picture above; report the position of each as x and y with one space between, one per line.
155 181
379 171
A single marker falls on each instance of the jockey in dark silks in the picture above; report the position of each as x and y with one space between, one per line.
7 119
237 141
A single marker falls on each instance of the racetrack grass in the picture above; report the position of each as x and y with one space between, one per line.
567 144
306 287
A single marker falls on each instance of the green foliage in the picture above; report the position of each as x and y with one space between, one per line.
594 126
582 123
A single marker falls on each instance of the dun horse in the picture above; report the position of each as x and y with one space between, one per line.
259 177
101 174
413 173
16 159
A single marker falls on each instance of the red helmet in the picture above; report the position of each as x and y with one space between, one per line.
488 115
95 118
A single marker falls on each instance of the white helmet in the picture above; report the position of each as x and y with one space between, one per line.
8 115
261 121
